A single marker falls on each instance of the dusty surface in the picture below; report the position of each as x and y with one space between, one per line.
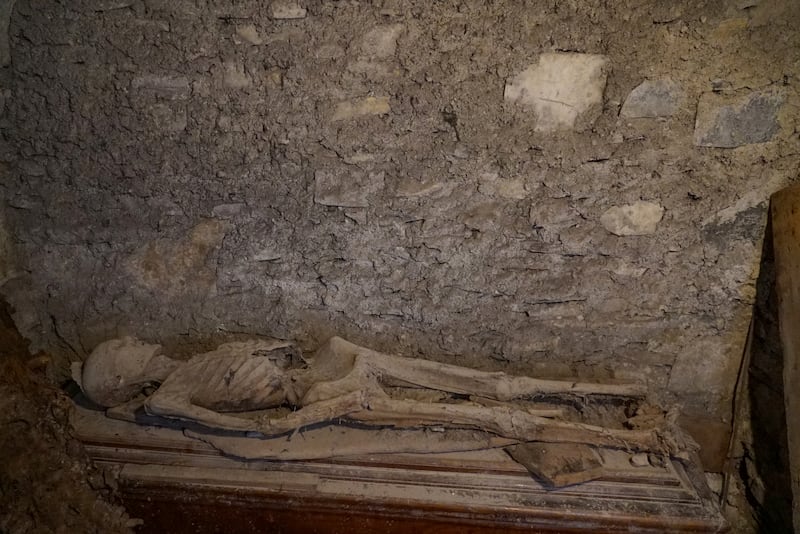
187 170
46 481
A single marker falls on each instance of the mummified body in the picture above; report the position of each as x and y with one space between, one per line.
345 381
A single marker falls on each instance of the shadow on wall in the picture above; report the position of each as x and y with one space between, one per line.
765 466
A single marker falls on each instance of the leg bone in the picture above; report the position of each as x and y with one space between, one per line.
515 424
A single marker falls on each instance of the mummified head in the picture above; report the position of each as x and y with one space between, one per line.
117 370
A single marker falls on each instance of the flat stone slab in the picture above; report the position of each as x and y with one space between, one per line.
564 90
639 218
653 98
249 34
371 105
730 121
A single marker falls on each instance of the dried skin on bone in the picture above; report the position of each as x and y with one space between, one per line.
346 381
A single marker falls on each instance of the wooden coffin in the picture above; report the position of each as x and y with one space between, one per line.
177 484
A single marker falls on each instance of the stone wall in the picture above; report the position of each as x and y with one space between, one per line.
557 188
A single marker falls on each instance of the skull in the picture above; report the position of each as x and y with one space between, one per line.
117 370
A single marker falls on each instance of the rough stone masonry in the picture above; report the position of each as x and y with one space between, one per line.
553 188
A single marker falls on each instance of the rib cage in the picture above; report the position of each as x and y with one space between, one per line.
235 377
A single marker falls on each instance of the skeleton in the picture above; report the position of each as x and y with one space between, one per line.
344 381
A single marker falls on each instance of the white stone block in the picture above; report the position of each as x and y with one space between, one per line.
639 218
564 90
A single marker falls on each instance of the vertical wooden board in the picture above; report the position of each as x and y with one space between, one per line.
785 213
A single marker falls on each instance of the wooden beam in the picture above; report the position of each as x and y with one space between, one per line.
785 213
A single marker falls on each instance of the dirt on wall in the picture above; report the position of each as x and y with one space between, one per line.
188 170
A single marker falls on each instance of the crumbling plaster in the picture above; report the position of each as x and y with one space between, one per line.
190 170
